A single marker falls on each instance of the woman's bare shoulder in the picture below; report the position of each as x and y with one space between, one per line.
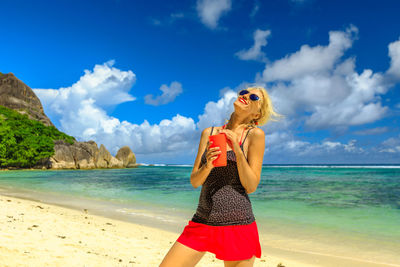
207 131
257 133
258 130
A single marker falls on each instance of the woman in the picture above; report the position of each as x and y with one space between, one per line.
224 223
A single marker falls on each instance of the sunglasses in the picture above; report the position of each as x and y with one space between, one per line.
253 97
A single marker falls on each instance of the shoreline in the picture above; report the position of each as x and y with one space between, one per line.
60 216
49 235
66 169
266 165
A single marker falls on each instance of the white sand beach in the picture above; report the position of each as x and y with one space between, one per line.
33 233
38 234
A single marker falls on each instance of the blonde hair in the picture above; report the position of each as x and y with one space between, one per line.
267 109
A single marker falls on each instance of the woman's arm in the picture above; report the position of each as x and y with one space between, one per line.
199 175
250 169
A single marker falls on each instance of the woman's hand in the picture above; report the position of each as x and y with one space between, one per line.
231 138
211 155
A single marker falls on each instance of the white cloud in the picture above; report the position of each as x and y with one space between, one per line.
80 112
361 106
254 52
284 144
155 22
169 20
177 15
310 60
372 131
330 97
395 149
351 147
316 81
215 113
210 11
394 54
331 145
255 10
391 145
105 85
168 94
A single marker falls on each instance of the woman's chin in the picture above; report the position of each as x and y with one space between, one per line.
239 106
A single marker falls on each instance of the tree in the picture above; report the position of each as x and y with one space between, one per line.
24 142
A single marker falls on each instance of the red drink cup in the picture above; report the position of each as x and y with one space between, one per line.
219 140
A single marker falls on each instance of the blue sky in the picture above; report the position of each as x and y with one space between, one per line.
153 74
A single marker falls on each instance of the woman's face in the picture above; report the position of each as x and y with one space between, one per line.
244 105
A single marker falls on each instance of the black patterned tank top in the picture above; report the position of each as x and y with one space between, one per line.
223 200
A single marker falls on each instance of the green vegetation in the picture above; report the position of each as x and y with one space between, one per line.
23 142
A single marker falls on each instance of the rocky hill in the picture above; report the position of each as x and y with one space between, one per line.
17 96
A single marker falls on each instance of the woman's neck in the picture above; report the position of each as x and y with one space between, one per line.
236 122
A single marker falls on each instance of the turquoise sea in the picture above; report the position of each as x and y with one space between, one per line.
342 211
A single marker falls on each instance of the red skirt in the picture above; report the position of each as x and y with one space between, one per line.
228 243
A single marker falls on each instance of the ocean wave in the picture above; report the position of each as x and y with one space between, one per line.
145 214
152 164
289 166
180 165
